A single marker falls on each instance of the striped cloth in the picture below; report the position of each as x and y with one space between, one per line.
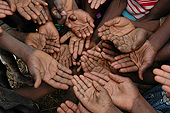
139 8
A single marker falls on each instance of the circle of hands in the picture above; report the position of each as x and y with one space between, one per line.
126 52
123 49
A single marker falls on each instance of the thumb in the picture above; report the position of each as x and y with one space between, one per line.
116 78
37 78
97 86
66 36
12 5
143 68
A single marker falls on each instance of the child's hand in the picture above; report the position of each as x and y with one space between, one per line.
81 23
163 77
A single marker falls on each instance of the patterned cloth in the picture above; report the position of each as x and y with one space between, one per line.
139 8
157 99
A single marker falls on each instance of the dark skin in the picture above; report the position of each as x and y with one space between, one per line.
59 8
64 57
160 9
93 96
76 44
80 22
42 42
70 107
28 8
118 5
41 65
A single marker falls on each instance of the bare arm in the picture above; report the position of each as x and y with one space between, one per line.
161 36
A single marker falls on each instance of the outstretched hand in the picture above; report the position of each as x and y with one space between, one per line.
122 90
43 67
92 95
76 44
131 41
80 22
42 42
163 77
118 26
59 9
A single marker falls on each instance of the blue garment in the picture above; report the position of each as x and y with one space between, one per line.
126 14
157 99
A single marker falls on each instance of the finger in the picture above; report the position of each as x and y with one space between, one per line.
121 56
98 3
90 29
129 69
12 5
107 51
107 57
143 68
94 53
166 68
72 17
93 4
66 36
79 84
87 45
86 32
60 110
77 33
103 1
89 1
42 18
90 21
30 12
117 78
58 84
166 88
63 68
87 83
78 94
79 68
162 80
82 33
41 2
43 12
65 108
81 45
76 47
161 73
23 13
123 62
72 106
113 21
34 9
95 78
37 77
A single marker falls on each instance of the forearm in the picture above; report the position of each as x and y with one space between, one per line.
18 35
163 54
150 25
35 94
75 5
142 106
12 45
161 36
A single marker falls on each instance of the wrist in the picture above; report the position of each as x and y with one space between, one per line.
141 106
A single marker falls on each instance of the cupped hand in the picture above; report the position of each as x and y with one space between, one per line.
59 9
118 26
42 42
83 24
131 41
50 30
43 67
